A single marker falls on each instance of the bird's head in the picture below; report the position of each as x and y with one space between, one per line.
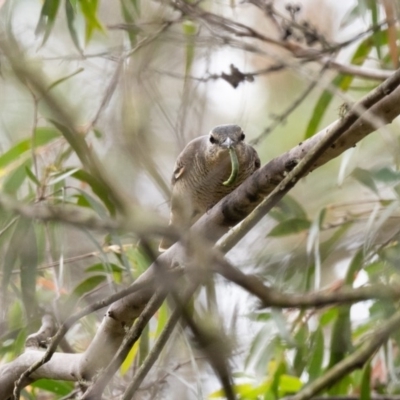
224 137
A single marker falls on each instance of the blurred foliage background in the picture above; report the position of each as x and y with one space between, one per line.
138 80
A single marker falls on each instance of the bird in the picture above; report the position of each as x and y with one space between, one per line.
203 173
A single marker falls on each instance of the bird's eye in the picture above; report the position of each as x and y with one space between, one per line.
212 139
242 136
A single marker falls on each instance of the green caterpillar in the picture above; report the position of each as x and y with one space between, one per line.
235 167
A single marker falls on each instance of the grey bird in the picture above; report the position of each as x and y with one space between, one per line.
200 172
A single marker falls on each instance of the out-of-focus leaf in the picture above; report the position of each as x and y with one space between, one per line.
97 187
81 289
280 369
70 11
100 267
144 345
365 178
375 223
22 251
47 18
289 227
344 165
342 387
19 343
60 388
16 178
328 245
130 12
29 262
86 200
365 389
287 208
42 136
262 349
89 11
139 261
313 246
315 228
355 266
162 317
281 324
126 365
32 176
328 316
376 37
289 384
341 343
76 141
386 174
300 358
314 368
60 176
390 11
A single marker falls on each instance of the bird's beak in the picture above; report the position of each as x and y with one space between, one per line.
228 142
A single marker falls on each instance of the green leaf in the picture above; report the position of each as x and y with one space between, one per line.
86 200
16 178
89 11
317 354
365 390
289 384
376 37
162 318
144 345
289 227
60 176
275 385
355 266
328 245
288 207
42 136
32 176
386 175
83 288
28 255
47 18
130 13
365 178
328 316
101 192
139 260
13 154
70 11
60 388
100 267
300 358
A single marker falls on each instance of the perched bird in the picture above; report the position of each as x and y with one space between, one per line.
203 174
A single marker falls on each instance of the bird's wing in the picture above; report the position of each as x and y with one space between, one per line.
184 162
